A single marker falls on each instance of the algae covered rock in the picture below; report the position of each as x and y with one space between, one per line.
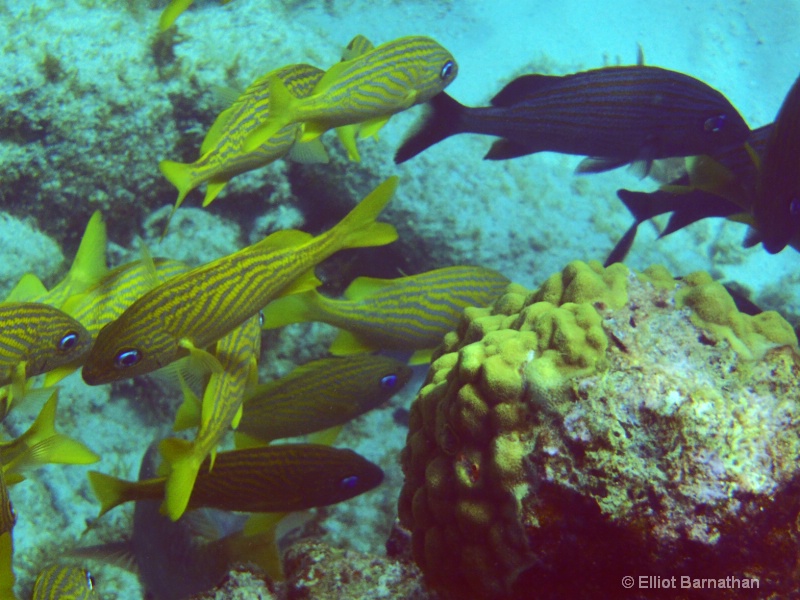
608 425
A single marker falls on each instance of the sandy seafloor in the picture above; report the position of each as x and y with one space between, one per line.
88 130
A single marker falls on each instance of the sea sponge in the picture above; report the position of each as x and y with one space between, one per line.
608 424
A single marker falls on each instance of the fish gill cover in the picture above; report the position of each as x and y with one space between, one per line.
94 96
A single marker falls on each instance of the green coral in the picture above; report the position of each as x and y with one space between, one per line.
595 404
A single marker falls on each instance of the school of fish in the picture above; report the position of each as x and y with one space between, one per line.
204 323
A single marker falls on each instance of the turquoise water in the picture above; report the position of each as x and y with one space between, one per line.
92 99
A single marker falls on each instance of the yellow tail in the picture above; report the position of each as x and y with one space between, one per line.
359 228
109 491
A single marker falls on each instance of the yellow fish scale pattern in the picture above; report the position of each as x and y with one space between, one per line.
204 304
238 354
120 288
407 313
41 336
61 582
379 83
321 394
222 152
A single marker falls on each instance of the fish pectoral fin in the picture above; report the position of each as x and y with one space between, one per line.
18 382
599 164
204 358
309 153
504 149
346 343
234 423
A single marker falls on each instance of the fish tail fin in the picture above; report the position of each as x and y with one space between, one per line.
294 308
640 205
45 445
183 467
443 119
109 491
359 229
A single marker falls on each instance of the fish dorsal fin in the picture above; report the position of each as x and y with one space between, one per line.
364 287
28 287
218 127
639 55
148 265
523 87
331 76
358 45
285 238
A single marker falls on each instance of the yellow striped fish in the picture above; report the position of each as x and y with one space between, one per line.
318 395
282 478
42 444
87 268
238 354
62 582
368 89
191 311
222 156
7 520
409 313
36 338
118 289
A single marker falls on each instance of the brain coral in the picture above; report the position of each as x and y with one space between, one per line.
608 425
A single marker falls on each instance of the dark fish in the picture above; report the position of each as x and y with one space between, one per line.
175 560
721 185
777 208
282 478
614 115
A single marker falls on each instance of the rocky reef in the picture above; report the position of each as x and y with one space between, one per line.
610 425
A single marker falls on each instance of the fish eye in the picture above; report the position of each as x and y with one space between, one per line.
714 124
349 483
447 69
68 341
127 358
388 382
89 579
